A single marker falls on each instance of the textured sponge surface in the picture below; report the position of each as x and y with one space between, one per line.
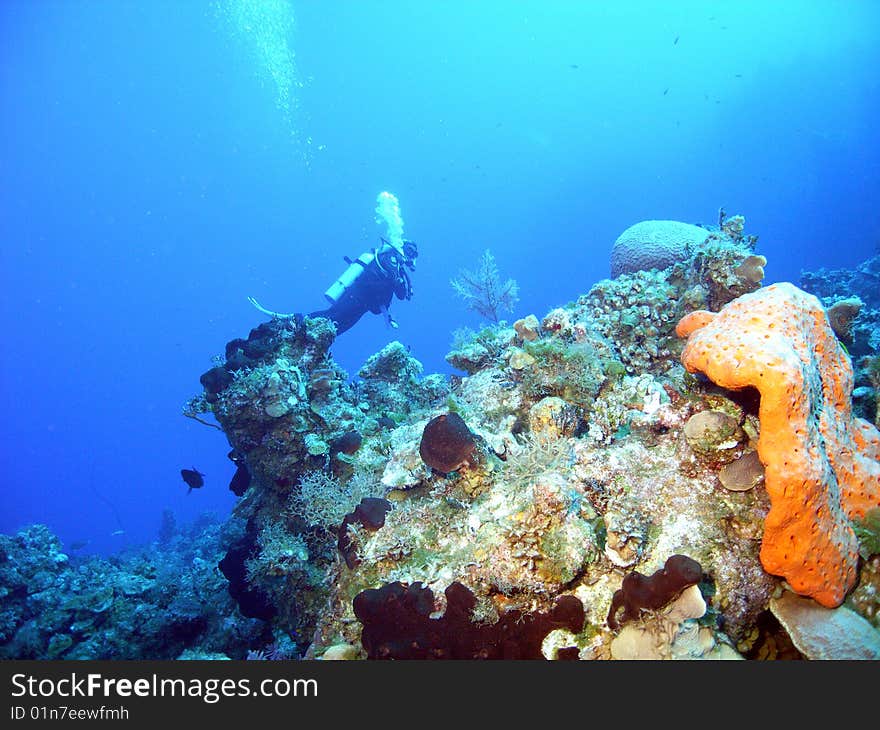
822 464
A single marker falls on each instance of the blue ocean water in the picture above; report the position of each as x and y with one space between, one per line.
162 161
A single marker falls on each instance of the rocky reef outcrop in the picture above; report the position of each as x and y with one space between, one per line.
852 300
575 453
585 489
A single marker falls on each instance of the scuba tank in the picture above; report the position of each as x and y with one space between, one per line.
348 277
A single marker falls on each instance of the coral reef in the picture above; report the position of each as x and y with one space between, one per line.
636 311
822 465
314 444
152 603
862 281
580 491
560 458
853 303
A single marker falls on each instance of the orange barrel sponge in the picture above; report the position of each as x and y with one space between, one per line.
822 465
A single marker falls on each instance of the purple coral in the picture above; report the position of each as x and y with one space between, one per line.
654 245
642 592
398 625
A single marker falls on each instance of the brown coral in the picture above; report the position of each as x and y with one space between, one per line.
527 328
821 463
743 474
842 314
751 269
448 444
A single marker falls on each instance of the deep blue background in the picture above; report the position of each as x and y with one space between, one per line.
150 181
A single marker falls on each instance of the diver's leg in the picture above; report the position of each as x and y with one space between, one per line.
274 315
344 314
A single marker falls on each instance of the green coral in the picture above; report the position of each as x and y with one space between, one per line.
867 530
392 364
534 457
566 550
281 553
476 350
572 371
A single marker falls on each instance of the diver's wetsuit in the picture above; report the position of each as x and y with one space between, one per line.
371 291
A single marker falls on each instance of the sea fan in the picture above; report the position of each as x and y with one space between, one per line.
483 291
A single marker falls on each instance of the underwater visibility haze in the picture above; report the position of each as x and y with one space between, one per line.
568 215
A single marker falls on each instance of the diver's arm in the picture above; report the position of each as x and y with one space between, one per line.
389 320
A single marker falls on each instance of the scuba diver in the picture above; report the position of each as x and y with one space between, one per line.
367 285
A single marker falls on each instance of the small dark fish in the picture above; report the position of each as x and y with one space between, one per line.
79 544
665 91
739 76
386 422
193 477
573 65
675 42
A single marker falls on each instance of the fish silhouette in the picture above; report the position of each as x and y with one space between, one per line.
193 477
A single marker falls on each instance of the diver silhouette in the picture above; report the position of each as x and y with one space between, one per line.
367 285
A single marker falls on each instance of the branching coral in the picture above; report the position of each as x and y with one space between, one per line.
323 501
280 553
